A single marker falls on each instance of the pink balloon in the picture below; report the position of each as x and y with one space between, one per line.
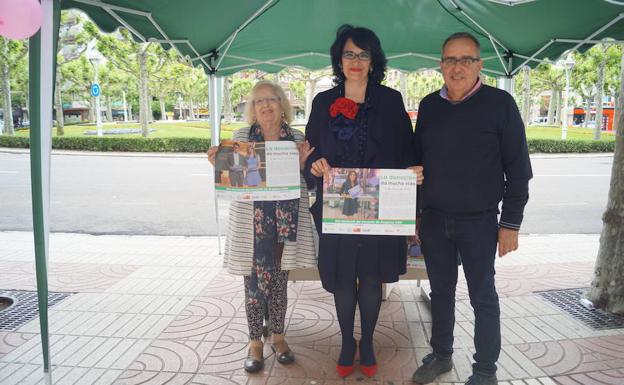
20 19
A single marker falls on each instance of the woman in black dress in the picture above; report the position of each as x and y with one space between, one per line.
358 124
350 204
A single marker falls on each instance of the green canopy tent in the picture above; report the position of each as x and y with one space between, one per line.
227 36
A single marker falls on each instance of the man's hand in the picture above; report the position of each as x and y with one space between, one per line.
320 168
507 241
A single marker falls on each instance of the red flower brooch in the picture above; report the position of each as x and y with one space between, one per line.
347 107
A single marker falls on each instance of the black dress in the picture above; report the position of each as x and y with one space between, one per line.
387 143
350 205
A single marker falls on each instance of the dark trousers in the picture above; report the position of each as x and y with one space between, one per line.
473 240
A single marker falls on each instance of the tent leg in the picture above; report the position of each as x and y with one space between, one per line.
505 83
42 66
215 95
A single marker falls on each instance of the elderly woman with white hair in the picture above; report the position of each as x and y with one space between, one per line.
259 246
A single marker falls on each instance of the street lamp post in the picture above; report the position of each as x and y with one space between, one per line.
95 60
568 63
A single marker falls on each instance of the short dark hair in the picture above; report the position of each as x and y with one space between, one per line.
366 40
462 35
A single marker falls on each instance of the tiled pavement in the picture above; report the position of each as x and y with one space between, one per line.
160 310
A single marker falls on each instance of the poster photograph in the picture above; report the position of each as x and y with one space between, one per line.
369 201
257 171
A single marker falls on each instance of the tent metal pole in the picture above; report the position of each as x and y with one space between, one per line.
215 128
512 3
232 37
534 55
531 59
500 58
113 7
478 25
618 18
123 22
410 54
494 72
587 41
245 23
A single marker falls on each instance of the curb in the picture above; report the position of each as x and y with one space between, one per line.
201 155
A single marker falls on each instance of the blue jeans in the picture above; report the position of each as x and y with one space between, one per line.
445 240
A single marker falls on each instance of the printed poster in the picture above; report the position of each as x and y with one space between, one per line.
257 171
369 201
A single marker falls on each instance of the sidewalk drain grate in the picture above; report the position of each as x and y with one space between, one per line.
24 307
569 300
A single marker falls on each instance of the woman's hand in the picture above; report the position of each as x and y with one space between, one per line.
212 153
304 152
418 170
320 168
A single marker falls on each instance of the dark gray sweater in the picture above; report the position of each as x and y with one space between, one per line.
474 155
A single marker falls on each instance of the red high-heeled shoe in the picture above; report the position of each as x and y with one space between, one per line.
345 370
369 371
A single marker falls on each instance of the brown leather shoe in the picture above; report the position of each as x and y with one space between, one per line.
283 353
254 361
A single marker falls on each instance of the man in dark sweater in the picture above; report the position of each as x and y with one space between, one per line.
471 141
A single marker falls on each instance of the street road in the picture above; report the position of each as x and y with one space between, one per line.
172 195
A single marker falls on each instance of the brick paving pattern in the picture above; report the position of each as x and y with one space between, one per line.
161 310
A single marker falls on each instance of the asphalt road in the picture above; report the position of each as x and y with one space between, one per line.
172 195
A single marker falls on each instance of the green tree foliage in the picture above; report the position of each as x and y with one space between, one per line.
73 42
13 78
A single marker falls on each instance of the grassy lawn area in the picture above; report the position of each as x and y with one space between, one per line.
197 129
574 133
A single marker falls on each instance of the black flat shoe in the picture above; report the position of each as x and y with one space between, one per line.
285 358
253 364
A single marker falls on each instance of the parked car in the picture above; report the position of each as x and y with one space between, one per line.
540 120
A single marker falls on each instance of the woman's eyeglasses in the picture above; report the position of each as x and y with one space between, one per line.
269 100
362 56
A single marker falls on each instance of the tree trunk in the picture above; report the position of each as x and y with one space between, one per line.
109 108
587 111
607 287
227 103
92 110
143 91
163 108
125 107
526 96
6 90
150 110
310 86
60 119
559 111
551 107
403 86
599 90
616 114
191 109
618 96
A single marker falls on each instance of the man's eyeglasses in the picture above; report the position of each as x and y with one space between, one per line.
350 55
269 100
464 61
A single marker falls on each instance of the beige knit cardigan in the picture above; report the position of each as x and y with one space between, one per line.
239 243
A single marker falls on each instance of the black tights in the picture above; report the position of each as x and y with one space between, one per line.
368 295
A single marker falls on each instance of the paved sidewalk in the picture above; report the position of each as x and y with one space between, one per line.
161 310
